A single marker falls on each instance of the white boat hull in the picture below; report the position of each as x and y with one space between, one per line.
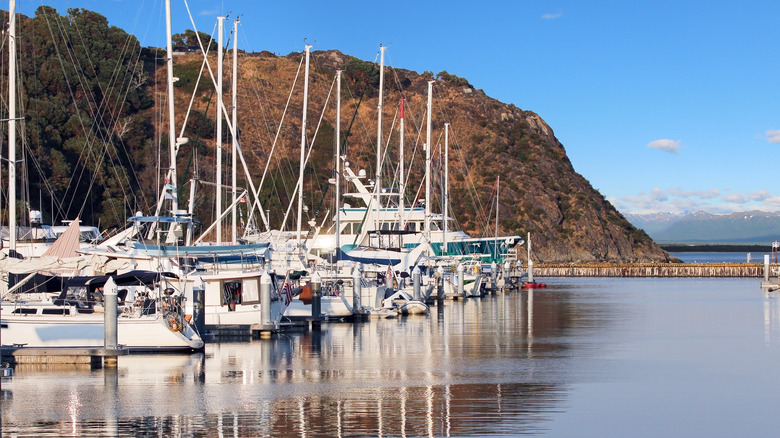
413 308
148 332
330 306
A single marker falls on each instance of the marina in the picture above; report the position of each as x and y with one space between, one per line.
384 309
582 357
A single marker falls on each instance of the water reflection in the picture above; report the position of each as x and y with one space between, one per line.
771 317
499 365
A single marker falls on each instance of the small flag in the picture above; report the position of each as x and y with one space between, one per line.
287 293
389 273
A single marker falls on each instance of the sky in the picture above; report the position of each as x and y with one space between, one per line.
664 106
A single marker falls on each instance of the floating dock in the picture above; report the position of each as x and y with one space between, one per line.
15 355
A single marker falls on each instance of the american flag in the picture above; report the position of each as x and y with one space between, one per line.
287 293
389 273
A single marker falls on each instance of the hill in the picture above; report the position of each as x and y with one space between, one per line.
98 133
540 192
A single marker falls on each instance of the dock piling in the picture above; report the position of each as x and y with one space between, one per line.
460 273
440 283
357 289
766 267
416 280
110 315
198 307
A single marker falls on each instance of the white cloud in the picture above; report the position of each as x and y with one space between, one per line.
773 135
666 145
701 194
739 198
208 13
552 16
677 200
736 198
658 195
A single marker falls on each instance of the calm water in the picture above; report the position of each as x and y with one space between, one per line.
584 357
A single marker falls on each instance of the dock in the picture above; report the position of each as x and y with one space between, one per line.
672 270
96 357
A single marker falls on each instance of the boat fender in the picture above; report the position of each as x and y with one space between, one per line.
173 323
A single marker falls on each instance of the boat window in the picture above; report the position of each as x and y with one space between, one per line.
435 226
411 226
357 228
231 294
25 311
251 291
88 237
61 311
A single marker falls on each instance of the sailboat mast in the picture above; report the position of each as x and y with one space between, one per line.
171 121
220 21
495 245
303 145
234 164
377 181
444 216
338 162
12 125
428 165
401 171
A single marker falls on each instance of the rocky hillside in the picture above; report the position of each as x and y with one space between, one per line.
539 192
95 141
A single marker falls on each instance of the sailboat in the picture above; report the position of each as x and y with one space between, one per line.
150 315
229 275
383 234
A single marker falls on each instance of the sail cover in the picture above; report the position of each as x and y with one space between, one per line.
67 244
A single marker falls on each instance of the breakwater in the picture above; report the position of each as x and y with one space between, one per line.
746 270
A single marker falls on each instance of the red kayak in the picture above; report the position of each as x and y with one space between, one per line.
533 285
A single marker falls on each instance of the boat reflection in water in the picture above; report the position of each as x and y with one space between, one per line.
475 367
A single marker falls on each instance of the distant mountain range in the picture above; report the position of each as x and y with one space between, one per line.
751 227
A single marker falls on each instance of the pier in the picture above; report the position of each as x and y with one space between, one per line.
679 270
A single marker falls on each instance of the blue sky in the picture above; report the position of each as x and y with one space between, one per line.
662 106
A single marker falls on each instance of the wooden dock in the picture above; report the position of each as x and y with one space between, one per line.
735 270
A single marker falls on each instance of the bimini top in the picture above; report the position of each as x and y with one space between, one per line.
138 277
161 219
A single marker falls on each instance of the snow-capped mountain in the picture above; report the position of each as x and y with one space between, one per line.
702 227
